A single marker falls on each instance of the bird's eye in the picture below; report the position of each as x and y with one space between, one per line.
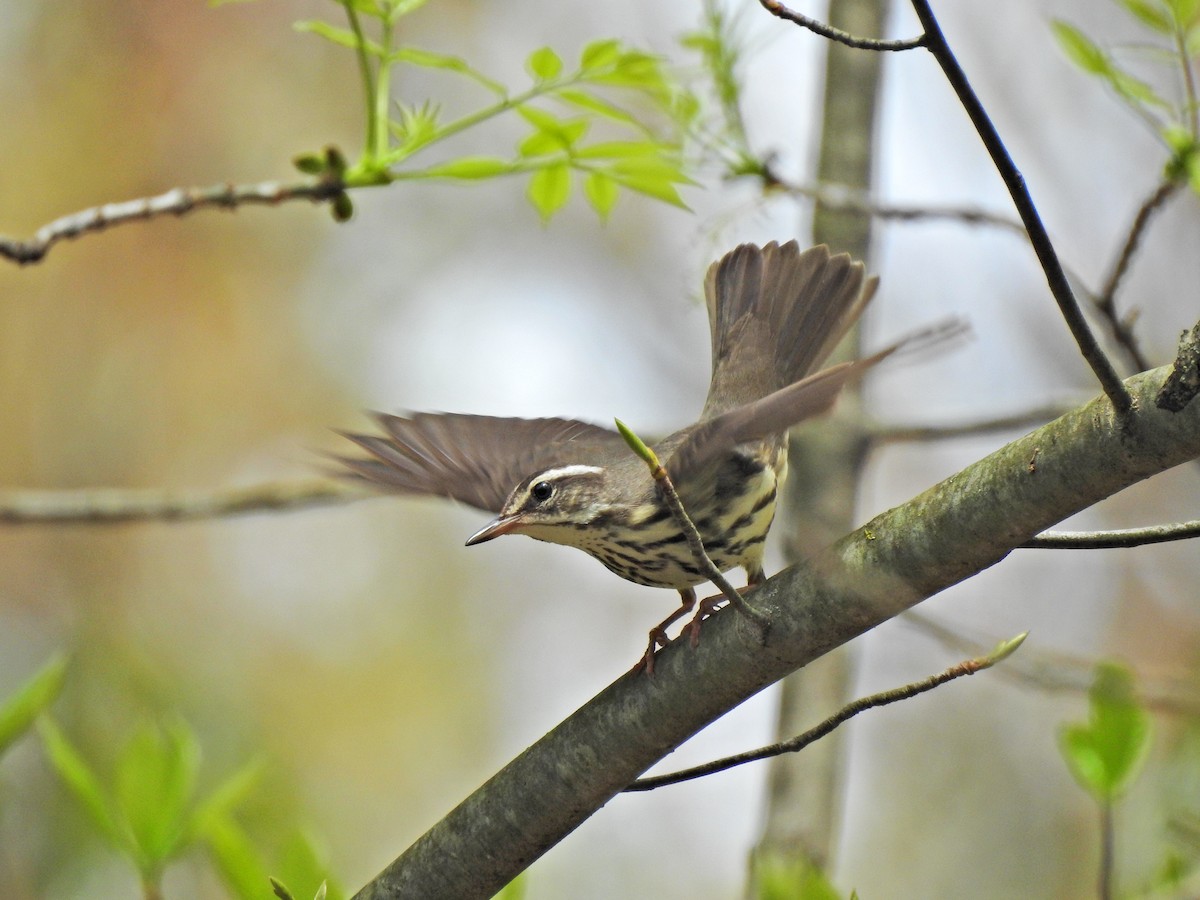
542 491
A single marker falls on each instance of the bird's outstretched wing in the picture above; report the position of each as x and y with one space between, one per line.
473 459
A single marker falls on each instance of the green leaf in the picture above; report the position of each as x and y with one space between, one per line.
401 8
549 189
598 105
540 119
155 783
371 8
1079 48
1106 753
599 54
1184 11
658 167
620 150
427 59
552 134
471 168
1086 54
81 781
32 698
343 37
1150 13
236 858
220 802
634 69
540 143
601 192
651 187
544 64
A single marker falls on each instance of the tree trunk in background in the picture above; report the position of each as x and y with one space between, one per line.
805 789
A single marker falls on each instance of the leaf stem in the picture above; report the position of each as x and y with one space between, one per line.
367 75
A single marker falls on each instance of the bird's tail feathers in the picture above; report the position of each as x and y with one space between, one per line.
777 313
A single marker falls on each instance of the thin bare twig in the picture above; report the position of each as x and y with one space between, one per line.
894 434
1113 540
108 505
1122 329
935 42
177 202
775 8
848 199
847 712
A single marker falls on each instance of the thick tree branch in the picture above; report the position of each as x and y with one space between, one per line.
177 202
966 524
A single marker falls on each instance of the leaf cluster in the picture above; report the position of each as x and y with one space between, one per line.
150 810
562 107
1173 28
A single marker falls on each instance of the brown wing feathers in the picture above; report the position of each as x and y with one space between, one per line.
473 459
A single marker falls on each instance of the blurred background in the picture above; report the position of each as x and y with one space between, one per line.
380 669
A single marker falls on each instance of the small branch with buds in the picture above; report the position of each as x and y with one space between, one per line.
177 202
847 712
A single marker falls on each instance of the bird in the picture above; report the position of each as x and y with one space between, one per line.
776 313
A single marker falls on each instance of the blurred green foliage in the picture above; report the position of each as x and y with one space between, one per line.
1173 43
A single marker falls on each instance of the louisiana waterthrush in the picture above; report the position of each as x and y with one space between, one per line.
776 313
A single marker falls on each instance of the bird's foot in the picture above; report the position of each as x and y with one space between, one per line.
658 634
708 606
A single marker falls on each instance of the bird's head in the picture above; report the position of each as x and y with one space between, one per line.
556 505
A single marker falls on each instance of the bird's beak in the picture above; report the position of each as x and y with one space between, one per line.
493 529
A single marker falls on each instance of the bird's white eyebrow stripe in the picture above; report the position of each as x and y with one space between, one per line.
568 471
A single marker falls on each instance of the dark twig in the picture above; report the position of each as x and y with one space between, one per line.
935 42
1112 540
1122 329
110 505
177 202
775 8
847 712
